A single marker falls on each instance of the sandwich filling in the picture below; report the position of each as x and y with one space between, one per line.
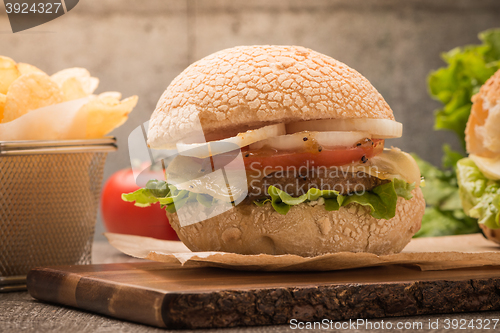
363 173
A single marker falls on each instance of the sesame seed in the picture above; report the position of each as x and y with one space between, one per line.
305 138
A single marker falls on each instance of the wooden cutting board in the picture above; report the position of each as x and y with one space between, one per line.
156 294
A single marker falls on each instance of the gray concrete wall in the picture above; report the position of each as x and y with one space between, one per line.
138 47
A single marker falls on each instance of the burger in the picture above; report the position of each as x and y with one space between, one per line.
281 151
479 174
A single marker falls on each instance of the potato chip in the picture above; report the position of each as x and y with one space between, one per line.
72 89
105 114
27 68
89 84
113 94
30 92
3 98
8 73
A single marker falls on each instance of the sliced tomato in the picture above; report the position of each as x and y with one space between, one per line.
272 159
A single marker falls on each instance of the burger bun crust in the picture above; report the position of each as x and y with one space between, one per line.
482 134
247 87
305 230
491 234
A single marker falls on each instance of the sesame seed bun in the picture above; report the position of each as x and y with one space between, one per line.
305 230
482 134
246 87
492 234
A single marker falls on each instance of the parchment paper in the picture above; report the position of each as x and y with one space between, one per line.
433 253
61 121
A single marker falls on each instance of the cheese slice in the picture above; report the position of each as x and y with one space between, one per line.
490 167
394 163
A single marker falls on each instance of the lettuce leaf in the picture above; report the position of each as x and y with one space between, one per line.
381 200
444 214
161 192
467 69
437 222
141 198
440 185
282 201
480 196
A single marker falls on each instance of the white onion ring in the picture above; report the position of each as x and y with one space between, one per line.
324 139
206 149
378 128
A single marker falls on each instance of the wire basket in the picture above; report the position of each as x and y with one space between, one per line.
49 196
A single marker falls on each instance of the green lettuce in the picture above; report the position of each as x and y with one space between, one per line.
438 222
467 70
381 200
444 214
169 197
282 201
480 195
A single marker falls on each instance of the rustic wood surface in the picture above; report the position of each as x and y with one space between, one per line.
164 295
21 313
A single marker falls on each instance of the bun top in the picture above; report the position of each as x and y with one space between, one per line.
246 87
482 133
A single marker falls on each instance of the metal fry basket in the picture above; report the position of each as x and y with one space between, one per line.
49 196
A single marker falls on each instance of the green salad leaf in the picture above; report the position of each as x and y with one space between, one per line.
282 201
444 214
142 197
166 194
467 70
437 222
480 195
381 200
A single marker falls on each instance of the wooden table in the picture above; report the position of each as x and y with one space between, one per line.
19 312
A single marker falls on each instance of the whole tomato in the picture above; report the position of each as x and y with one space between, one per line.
124 218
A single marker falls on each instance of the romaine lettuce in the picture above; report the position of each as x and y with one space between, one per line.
468 69
480 195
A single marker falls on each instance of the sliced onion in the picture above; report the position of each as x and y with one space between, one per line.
378 128
203 150
343 139
302 140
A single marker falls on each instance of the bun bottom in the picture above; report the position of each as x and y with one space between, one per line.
491 234
305 230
